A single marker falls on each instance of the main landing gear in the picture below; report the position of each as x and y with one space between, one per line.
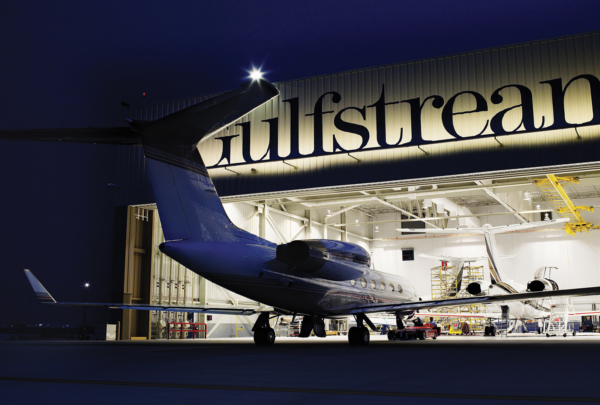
264 335
360 335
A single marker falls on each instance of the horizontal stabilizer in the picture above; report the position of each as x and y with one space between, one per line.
445 231
453 259
527 225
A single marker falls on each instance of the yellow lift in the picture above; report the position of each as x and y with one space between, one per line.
552 191
444 280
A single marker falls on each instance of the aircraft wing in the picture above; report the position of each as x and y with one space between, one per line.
45 297
483 300
527 225
442 231
453 259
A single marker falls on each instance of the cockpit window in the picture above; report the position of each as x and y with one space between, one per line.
373 284
391 287
399 288
353 282
382 285
363 282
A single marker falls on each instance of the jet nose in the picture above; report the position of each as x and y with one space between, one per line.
161 247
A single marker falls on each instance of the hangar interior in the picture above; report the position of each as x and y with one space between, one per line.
371 216
499 136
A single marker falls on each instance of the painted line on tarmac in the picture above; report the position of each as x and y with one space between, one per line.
301 390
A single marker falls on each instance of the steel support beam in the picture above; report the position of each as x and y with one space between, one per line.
504 204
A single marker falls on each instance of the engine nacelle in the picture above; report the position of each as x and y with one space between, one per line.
542 284
329 259
477 287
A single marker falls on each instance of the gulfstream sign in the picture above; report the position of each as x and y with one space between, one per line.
451 112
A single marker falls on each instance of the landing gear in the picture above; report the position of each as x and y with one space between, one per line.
359 336
264 335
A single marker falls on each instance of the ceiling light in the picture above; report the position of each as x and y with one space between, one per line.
527 196
376 229
356 222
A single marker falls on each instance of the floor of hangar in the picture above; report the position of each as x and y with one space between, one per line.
322 371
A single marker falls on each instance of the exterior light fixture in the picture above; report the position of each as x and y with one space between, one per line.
86 285
256 74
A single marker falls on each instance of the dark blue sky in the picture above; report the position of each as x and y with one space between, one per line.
71 63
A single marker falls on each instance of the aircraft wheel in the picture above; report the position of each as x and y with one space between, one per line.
565 335
486 331
391 335
547 335
352 336
269 338
364 337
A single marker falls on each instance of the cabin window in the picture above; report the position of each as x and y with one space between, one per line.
363 282
391 287
399 288
373 284
382 285
353 282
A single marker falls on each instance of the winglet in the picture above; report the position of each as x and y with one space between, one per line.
42 294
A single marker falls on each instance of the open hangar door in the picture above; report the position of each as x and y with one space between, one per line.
373 216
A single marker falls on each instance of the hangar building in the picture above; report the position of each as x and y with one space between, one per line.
454 141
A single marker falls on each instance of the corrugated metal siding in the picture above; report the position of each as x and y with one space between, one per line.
481 71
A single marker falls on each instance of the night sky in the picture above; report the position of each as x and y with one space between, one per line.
71 64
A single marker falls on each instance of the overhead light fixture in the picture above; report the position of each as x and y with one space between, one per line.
376 229
328 213
86 285
537 207
256 74
527 196
356 222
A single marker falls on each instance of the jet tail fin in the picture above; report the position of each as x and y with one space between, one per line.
187 201
41 292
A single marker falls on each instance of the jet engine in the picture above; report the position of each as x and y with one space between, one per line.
542 284
477 287
329 259
542 281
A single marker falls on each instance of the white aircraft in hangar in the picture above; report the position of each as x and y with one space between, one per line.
315 279
500 285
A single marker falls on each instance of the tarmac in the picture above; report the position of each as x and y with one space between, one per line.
468 370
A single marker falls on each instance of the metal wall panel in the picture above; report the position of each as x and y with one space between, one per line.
482 72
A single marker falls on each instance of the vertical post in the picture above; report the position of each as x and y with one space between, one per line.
344 228
263 222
